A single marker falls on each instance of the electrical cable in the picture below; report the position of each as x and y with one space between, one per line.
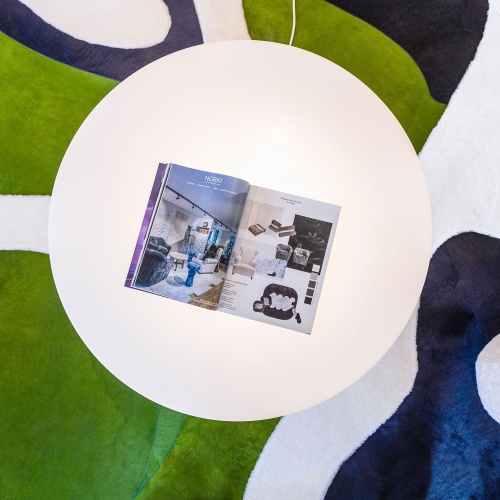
294 21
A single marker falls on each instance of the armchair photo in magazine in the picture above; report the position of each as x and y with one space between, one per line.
217 242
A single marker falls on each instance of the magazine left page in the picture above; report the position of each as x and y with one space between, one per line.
187 235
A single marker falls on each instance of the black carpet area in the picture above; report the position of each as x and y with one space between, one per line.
441 35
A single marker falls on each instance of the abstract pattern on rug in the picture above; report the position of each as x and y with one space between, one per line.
69 426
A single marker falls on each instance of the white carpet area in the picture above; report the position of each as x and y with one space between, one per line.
24 223
221 20
488 377
461 158
126 24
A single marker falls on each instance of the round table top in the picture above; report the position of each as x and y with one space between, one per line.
178 255
279 117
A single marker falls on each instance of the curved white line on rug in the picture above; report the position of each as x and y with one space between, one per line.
24 222
221 20
460 160
488 377
126 24
306 447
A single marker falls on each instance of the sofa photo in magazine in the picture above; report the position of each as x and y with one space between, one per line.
217 242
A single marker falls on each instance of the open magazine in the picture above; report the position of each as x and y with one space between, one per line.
217 242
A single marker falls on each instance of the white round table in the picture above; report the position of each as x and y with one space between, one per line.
279 117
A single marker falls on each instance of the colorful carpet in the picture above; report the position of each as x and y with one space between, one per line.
422 423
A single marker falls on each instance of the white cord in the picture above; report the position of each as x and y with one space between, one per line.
294 20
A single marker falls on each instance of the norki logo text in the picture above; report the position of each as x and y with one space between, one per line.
213 179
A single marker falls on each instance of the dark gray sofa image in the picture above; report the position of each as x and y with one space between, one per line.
283 251
156 264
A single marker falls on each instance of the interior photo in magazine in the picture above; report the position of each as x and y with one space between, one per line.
216 242
187 235
279 259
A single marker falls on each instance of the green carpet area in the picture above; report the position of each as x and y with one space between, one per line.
359 48
42 104
168 426
68 428
210 460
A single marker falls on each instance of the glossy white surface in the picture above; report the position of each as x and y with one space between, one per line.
242 108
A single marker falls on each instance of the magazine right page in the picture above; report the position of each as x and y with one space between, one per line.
279 259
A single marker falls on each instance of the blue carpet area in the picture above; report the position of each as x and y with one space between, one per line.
441 443
23 25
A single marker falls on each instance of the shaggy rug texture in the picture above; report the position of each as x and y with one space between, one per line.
267 267
422 423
